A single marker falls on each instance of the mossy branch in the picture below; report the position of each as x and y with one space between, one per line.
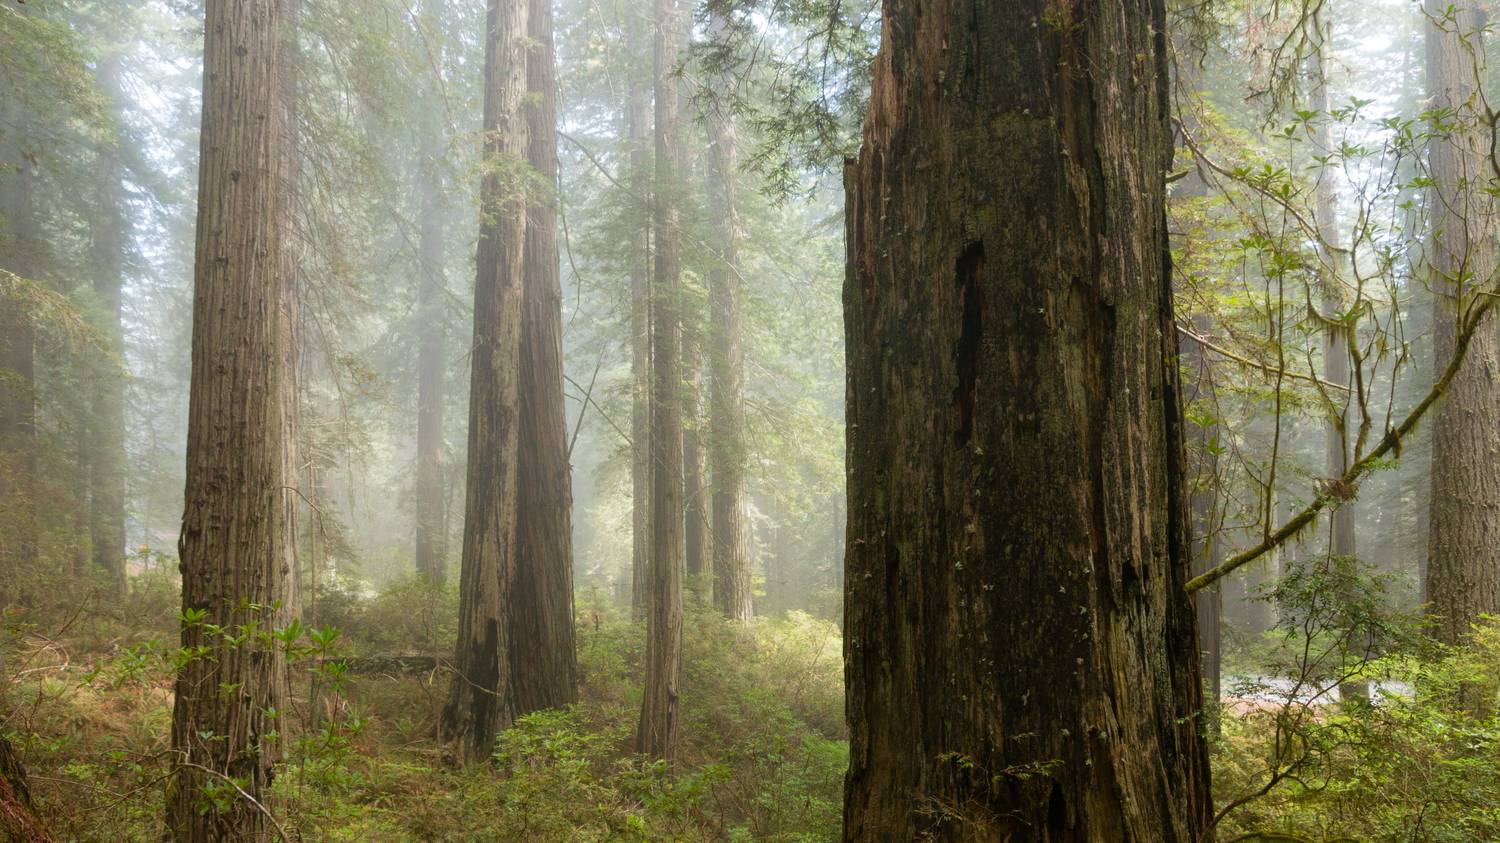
1389 443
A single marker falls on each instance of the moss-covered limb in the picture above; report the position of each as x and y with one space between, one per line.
1390 443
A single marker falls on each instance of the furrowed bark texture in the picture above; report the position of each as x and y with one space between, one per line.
695 496
18 820
656 734
291 297
108 230
731 559
235 571
431 514
638 119
696 553
1463 572
544 670
1020 650
480 701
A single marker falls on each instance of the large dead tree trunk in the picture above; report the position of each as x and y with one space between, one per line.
1020 648
235 570
656 734
480 701
1463 571
544 671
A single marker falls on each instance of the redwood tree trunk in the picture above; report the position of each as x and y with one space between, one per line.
656 735
106 424
544 670
1464 541
235 572
18 820
431 514
1336 362
1208 603
291 299
1335 341
1202 463
638 120
480 701
1020 648
695 526
726 454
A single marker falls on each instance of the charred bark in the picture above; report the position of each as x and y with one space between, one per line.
1020 649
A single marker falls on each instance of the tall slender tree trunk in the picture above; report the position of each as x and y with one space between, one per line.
1020 649
106 424
20 254
1202 464
696 536
1335 340
695 494
480 702
657 735
638 120
1207 554
291 296
1341 544
1464 542
731 559
544 669
690 319
431 514
1267 573
82 545
235 571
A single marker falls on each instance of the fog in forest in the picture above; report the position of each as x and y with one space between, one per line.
785 420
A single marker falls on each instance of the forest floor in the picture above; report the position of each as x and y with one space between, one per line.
89 696
86 691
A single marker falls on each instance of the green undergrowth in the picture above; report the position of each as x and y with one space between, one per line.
86 698
1421 762
88 701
